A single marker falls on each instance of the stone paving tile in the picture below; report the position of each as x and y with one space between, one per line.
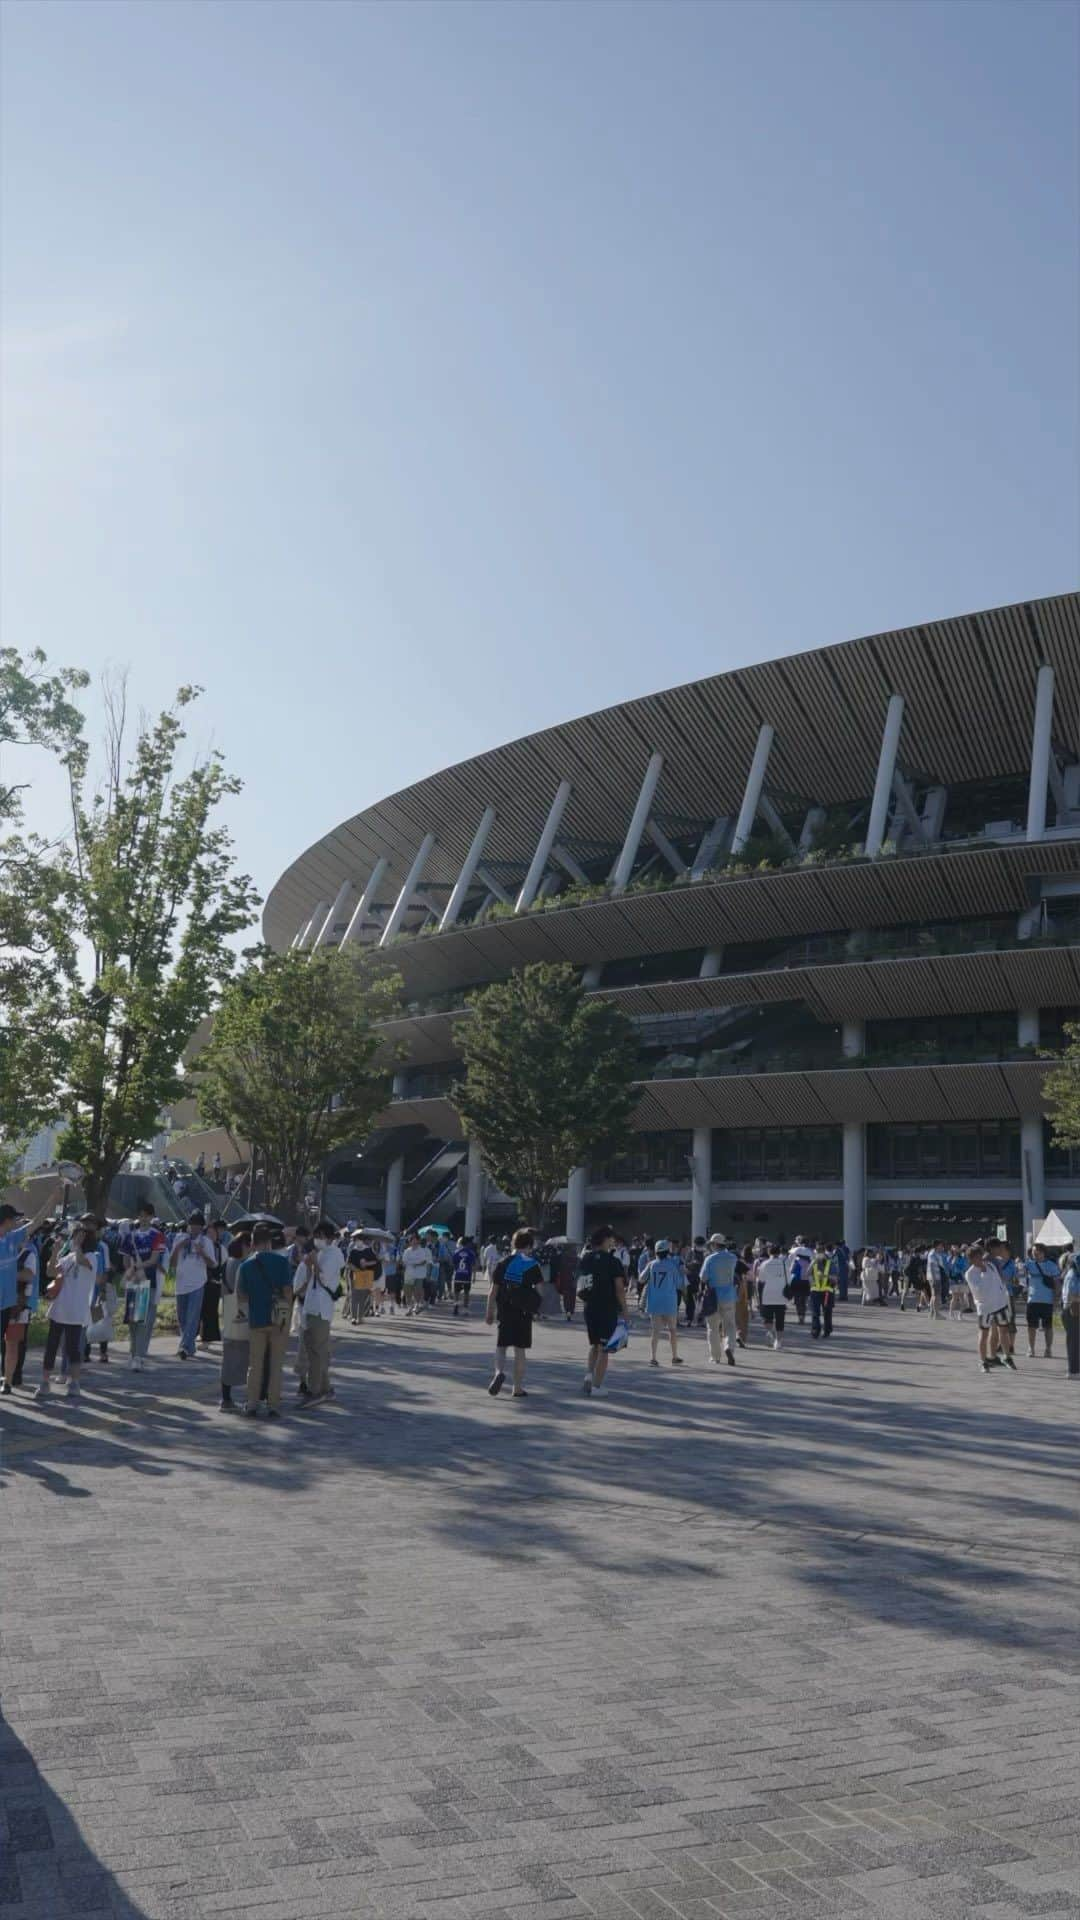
719 1646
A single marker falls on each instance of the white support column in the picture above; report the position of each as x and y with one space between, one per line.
712 843
569 865
701 1189
905 805
711 962
1032 1151
1032 1173
412 881
465 877
487 879
855 1183
1041 732
325 936
665 848
314 925
811 827
624 865
879 805
365 902
543 847
933 814
474 1190
575 1205
395 1186
755 780
771 815
852 1043
298 937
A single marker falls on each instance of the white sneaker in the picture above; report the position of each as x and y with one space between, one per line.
597 1392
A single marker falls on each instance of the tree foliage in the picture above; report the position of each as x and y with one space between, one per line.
292 1066
37 712
548 1082
152 903
1061 1090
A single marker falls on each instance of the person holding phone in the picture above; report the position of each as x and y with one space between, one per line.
191 1260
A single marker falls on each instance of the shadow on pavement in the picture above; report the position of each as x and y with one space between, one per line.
45 1863
800 1452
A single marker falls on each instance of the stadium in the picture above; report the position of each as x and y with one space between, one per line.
839 893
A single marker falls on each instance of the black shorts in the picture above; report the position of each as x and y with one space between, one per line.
774 1317
997 1317
1040 1313
463 1286
599 1325
514 1331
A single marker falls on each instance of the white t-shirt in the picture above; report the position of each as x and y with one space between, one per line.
415 1264
190 1269
772 1277
988 1289
71 1308
318 1301
491 1257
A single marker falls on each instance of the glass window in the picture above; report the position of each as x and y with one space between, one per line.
964 1151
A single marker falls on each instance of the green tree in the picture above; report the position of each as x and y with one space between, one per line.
152 902
37 712
295 1064
1061 1090
548 1082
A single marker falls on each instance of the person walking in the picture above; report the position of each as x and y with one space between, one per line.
661 1280
17 1321
822 1289
235 1331
937 1274
144 1250
602 1289
388 1282
843 1269
365 1271
415 1268
210 1312
72 1278
744 1268
191 1259
1042 1278
693 1264
774 1292
264 1284
992 1304
800 1261
465 1258
513 1304
871 1274
719 1294
1070 1314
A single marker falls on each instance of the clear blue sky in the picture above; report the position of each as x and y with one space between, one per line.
416 375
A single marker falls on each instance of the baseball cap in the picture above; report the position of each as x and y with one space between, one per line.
717 1240
663 1246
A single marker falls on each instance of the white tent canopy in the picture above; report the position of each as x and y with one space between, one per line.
1060 1227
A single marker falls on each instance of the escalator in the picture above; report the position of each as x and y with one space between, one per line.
435 1183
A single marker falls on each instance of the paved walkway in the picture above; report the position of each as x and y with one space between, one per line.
795 1639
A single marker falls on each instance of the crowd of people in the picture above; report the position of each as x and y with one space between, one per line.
243 1293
